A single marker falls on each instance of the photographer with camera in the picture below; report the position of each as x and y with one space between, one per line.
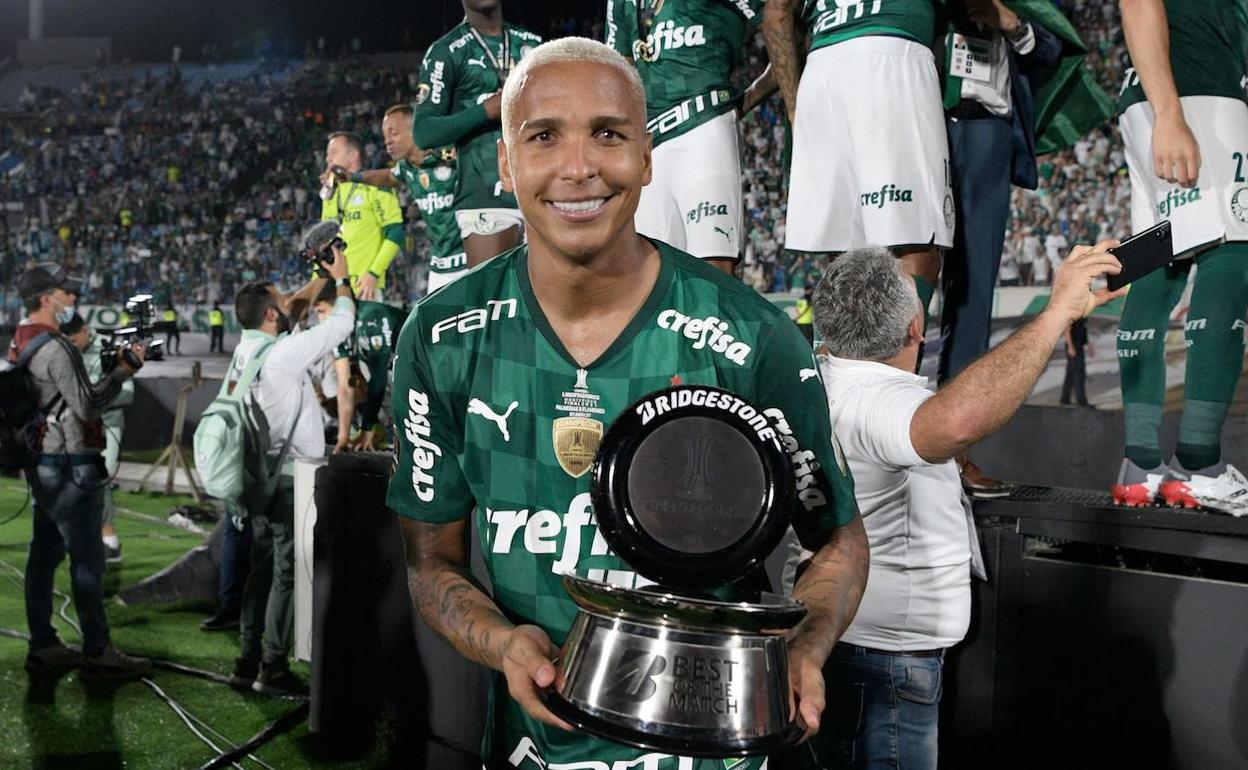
94 352
288 412
68 481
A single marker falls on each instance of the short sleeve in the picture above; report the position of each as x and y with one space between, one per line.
792 394
386 204
429 484
882 424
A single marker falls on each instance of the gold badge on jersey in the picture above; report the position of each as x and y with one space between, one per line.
577 436
576 443
424 179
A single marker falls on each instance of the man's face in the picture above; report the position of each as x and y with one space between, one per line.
576 156
81 339
397 130
58 299
481 6
339 153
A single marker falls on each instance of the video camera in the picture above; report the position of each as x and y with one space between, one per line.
319 242
142 319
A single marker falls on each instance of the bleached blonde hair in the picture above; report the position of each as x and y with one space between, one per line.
566 49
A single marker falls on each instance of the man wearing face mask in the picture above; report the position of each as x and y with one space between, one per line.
67 484
286 407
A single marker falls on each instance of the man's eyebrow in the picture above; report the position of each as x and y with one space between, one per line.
597 121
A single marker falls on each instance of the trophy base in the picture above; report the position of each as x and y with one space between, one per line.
689 677
653 738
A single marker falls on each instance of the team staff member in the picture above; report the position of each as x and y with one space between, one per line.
686 51
282 391
370 217
1185 129
900 441
431 178
578 324
882 179
216 326
68 483
457 103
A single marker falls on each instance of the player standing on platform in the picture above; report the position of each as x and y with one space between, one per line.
506 379
457 103
686 51
1184 123
431 178
870 154
370 217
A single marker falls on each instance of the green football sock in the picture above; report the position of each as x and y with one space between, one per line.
1215 352
1142 359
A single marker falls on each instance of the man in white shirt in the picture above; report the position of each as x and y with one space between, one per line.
900 440
287 407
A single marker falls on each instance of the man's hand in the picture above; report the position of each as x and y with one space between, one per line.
343 444
338 268
528 664
367 287
367 437
806 690
1070 349
334 174
992 14
1073 297
1176 156
494 105
124 366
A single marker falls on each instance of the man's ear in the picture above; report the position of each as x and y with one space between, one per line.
504 168
914 334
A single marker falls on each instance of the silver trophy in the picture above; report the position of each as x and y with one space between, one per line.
693 489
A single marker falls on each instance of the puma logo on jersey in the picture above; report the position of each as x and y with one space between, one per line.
709 332
806 374
477 406
667 36
479 62
726 233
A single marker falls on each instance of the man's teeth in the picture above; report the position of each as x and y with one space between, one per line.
579 206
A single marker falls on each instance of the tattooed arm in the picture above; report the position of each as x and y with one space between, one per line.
831 588
780 34
453 605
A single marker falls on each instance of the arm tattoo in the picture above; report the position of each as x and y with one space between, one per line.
780 35
831 589
450 601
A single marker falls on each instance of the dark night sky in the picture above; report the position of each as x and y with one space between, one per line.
142 30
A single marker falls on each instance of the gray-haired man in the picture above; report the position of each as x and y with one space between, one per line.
900 439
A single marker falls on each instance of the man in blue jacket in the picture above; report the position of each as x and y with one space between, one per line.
990 54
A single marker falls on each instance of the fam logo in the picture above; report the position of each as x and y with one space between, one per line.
1136 335
476 318
1178 198
1239 204
890 193
707 209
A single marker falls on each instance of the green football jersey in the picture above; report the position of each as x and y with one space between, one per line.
1208 39
457 74
492 413
835 21
371 346
685 51
432 185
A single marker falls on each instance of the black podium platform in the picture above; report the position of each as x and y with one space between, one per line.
1105 637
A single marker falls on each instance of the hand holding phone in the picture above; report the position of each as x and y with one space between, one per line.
1141 254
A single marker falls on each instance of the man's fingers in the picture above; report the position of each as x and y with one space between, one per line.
1105 295
534 707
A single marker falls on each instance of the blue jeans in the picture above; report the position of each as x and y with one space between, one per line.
882 711
234 566
68 493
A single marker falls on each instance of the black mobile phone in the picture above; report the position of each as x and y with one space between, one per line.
1142 254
